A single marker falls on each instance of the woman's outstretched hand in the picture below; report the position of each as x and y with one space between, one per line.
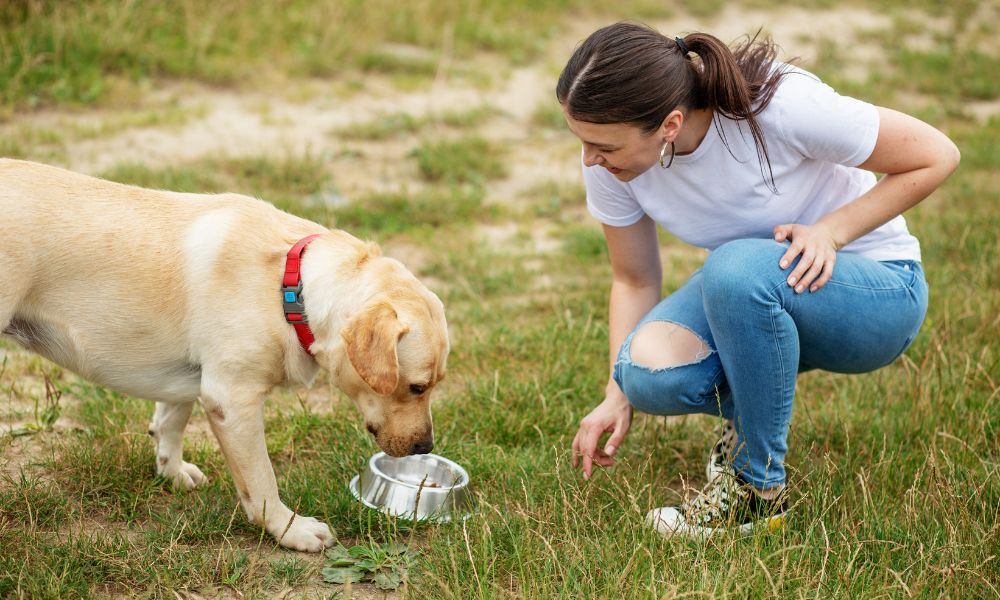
614 416
818 248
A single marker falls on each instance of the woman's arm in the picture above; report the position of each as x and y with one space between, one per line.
635 289
916 159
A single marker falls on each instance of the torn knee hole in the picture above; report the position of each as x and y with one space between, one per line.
662 344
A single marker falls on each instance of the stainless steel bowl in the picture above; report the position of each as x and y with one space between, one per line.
421 486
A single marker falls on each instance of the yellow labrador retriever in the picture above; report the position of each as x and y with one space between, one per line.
183 297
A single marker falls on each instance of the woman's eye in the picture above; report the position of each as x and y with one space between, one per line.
418 389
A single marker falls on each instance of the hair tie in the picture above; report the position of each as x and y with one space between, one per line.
681 46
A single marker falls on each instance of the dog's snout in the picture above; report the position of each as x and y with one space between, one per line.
371 429
422 447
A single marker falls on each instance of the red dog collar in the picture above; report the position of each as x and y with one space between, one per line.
291 292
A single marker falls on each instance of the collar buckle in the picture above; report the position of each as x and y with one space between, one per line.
291 300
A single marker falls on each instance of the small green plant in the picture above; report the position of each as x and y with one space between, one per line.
386 565
45 415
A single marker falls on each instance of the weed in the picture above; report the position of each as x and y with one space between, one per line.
386 565
46 413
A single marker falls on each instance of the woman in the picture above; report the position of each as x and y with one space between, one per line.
811 265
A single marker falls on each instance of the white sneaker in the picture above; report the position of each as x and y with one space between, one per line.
725 504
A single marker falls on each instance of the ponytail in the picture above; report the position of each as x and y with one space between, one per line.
738 84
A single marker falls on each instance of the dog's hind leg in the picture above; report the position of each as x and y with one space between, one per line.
167 430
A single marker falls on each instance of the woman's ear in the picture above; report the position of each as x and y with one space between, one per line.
671 125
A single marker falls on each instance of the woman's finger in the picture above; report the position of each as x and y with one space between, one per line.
814 271
789 256
588 448
806 261
603 459
826 275
588 465
781 233
616 439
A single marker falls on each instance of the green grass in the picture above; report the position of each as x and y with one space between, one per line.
384 127
86 52
287 183
385 214
470 160
895 474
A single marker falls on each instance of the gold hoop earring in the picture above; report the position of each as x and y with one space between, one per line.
663 152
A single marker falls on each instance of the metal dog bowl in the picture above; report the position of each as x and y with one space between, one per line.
421 486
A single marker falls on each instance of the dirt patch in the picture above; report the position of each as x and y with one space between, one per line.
983 110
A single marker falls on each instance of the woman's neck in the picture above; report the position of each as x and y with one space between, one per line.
693 130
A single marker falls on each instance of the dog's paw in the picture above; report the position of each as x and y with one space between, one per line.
184 475
307 534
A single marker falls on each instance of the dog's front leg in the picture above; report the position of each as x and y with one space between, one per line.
236 414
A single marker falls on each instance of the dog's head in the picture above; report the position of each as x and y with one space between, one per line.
391 352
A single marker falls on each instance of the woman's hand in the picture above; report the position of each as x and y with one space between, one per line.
614 416
818 248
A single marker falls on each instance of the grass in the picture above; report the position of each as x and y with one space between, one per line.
469 160
54 53
895 473
386 214
284 182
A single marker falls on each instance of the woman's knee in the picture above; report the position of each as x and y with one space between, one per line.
666 369
663 344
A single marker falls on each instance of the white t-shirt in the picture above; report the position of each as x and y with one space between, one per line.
815 139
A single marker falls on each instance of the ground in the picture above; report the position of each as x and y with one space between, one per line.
182 123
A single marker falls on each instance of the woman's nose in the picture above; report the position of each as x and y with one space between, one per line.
591 157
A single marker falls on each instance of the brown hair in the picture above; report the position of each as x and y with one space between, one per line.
630 73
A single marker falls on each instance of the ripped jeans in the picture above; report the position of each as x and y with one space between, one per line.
758 334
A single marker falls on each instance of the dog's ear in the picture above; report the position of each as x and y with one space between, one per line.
371 339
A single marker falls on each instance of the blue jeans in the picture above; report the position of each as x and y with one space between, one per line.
762 334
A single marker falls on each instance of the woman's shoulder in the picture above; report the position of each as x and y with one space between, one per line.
796 85
810 116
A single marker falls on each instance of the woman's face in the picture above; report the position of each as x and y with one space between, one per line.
624 150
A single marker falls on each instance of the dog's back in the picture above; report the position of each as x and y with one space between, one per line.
95 275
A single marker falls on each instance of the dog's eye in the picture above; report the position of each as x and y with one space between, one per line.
417 389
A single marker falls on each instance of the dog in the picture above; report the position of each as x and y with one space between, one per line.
177 298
